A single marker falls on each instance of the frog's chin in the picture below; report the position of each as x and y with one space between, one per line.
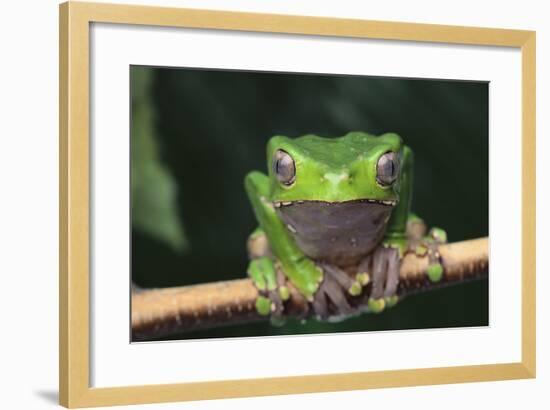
386 202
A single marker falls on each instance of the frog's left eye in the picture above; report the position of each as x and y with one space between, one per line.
387 169
284 167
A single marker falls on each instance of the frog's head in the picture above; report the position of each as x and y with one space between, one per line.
355 167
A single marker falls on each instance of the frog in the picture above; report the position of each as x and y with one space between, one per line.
334 218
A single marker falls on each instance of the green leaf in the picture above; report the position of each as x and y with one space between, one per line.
154 190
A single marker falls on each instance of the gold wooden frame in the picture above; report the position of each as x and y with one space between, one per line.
75 19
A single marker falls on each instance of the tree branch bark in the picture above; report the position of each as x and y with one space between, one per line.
160 312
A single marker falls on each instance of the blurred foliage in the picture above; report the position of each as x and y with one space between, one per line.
210 128
153 188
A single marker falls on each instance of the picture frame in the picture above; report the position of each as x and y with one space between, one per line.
74 285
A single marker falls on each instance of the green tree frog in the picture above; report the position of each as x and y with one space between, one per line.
334 217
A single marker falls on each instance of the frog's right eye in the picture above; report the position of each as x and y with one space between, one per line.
387 169
284 167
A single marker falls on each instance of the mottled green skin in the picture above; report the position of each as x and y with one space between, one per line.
331 170
334 170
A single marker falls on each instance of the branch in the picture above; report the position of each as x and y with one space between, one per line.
160 312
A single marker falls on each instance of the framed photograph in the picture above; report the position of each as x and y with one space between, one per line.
257 204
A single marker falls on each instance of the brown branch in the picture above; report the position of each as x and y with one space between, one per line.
160 312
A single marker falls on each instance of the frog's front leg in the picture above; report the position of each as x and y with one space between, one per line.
286 261
330 300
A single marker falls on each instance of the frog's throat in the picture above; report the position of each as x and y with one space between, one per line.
336 232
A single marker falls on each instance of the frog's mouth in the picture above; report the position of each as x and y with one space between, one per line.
340 232
278 204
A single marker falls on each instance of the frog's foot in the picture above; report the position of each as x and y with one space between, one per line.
271 286
384 263
416 227
429 246
330 300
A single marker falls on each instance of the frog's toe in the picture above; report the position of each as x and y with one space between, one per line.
435 267
270 305
284 293
363 277
435 272
376 305
353 287
416 227
420 250
391 300
263 305
438 235
277 308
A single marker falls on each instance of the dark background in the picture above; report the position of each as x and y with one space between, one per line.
196 133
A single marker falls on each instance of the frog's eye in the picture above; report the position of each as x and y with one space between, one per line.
284 167
387 169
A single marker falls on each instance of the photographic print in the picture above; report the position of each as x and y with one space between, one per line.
272 203
323 198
